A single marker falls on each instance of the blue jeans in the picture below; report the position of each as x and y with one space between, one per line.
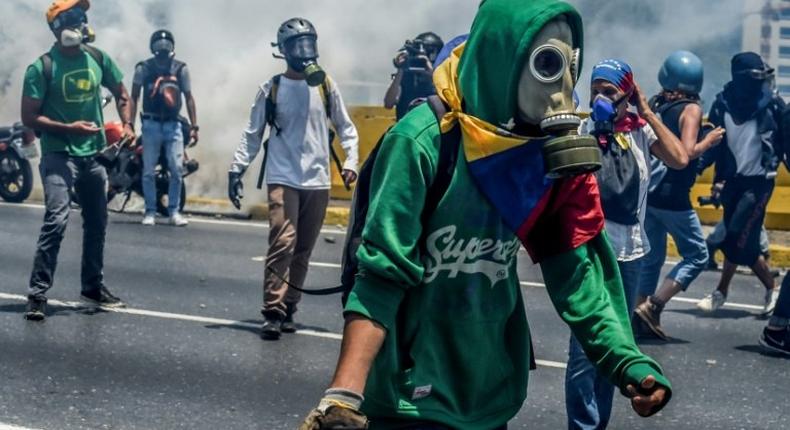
686 230
156 136
589 395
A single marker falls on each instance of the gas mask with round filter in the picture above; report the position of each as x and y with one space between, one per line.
301 54
545 99
73 27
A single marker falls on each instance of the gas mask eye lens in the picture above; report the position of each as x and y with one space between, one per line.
547 64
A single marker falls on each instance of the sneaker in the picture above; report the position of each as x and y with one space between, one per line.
178 220
271 329
103 298
149 219
712 302
771 296
36 309
650 314
776 340
288 325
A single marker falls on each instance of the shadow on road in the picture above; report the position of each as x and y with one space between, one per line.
757 349
257 331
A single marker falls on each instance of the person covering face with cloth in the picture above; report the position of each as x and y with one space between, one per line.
627 139
61 99
751 113
298 106
162 80
433 293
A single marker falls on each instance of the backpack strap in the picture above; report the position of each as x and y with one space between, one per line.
95 54
46 67
271 104
448 158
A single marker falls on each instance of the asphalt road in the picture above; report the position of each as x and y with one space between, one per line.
186 354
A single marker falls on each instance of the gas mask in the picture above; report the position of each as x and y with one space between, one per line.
76 31
604 112
301 54
163 49
545 99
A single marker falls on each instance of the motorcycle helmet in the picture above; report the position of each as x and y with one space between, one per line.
682 71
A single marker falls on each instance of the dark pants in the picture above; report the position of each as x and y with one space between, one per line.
745 199
59 173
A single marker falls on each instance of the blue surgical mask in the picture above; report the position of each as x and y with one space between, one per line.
603 109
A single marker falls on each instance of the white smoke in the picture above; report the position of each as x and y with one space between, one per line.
227 47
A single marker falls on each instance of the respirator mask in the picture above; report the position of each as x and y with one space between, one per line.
545 99
75 29
163 49
301 54
603 114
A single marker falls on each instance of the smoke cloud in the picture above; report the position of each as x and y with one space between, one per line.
227 47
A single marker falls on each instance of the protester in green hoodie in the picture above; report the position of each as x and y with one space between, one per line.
436 334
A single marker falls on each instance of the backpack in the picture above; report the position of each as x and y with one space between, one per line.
271 120
162 89
618 181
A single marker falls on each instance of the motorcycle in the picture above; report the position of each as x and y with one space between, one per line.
17 148
124 163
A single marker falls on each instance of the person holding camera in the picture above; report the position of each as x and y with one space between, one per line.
162 80
669 209
61 99
751 113
414 78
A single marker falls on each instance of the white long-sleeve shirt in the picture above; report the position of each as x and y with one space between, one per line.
298 156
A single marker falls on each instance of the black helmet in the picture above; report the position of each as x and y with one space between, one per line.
159 41
292 28
431 40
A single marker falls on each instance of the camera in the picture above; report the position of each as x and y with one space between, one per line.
709 201
416 56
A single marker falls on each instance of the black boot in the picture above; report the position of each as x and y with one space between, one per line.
272 328
288 325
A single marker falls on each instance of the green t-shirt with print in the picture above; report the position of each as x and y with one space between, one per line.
73 94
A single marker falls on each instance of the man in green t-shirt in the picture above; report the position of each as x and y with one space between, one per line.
62 100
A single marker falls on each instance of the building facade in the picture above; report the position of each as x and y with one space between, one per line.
766 30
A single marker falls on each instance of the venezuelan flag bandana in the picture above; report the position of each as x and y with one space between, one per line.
549 217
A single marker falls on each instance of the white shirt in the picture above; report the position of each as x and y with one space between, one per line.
630 241
299 155
746 145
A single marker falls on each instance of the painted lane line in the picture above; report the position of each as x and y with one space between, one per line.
13 427
679 299
205 320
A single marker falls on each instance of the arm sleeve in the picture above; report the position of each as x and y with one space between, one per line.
347 132
112 75
252 136
139 75
34 85
185 79
585 287
649 135
389 256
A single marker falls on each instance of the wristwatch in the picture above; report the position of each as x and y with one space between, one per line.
194 128
130 124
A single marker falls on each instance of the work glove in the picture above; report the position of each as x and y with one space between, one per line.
338 410
235 189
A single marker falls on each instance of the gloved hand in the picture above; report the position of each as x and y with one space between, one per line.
338 410
235 189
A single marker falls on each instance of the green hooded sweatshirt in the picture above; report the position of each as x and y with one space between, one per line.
447 292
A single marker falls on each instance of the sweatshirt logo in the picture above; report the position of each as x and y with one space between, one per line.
487 257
